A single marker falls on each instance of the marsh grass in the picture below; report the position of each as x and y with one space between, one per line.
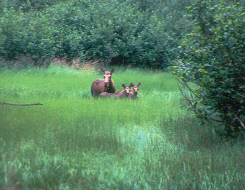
76 142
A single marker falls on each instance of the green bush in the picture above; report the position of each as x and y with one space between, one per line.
27 5
11 44
118 32
214 61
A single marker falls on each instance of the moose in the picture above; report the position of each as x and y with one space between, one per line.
133 94
103 85
118 94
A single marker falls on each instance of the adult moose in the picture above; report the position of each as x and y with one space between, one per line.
103 85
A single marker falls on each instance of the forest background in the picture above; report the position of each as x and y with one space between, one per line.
141 33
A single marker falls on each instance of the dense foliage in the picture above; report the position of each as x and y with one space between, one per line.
141 33
215 61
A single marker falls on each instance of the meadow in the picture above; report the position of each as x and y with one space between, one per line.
73 141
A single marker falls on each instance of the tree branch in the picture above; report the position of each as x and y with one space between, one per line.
240 121
195 110
190 90
13 104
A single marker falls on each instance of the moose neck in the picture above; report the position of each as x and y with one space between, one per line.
110 87
135 94
125 93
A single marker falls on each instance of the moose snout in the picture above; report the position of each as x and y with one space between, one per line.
107 84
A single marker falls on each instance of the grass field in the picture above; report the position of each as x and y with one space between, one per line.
75 142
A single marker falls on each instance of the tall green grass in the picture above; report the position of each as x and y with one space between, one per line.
75 142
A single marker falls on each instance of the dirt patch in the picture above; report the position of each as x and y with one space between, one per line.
28 61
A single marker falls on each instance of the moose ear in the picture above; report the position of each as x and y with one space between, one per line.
131 85
139 84
102 70
124 86
112 70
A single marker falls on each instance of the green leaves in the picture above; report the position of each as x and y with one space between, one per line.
144 34
214 59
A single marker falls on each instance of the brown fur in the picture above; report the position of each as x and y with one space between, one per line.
133 94
103 85
118 94
108 95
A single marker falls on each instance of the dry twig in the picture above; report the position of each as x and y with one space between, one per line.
13 104
240 121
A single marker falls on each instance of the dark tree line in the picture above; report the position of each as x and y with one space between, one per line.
142 33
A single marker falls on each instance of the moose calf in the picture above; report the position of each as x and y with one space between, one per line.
133 94
118 94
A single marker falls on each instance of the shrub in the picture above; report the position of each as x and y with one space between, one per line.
116 31
214 60
11 43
